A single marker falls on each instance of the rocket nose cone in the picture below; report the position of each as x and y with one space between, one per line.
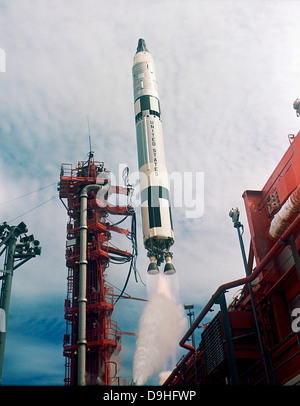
141 46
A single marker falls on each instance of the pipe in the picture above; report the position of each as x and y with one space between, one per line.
82 300
238 225
283 218
278 246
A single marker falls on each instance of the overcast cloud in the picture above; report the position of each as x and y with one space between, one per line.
228 74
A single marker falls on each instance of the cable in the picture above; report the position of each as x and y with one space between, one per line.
21 215
121 221
27 194
116 287
133 258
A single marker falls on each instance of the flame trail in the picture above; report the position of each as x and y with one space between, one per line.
161 326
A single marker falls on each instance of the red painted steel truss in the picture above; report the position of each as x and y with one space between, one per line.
102 334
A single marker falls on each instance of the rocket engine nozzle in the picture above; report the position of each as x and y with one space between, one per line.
169 267
153 268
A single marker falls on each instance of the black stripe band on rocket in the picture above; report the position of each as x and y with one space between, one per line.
152 194
146 103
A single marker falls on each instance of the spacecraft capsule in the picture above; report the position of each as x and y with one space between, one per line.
154 182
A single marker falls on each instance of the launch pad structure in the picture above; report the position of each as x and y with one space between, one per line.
92 341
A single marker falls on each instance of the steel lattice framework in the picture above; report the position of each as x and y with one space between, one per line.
100 343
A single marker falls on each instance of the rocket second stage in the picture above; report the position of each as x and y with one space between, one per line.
154 184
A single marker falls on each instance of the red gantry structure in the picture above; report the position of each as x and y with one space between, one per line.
255 340
92 341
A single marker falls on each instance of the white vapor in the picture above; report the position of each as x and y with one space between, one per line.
161 326
163 376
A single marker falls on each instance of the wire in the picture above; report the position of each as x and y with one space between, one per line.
116 287
27 194
133 258
121 221
36 207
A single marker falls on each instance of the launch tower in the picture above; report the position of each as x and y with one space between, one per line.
92 341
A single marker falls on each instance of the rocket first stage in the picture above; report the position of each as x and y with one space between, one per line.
154 184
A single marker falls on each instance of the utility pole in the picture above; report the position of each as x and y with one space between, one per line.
16 254
235 214
191 314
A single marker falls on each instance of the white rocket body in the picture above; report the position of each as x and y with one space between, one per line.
154 184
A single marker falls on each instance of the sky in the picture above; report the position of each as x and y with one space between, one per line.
228 74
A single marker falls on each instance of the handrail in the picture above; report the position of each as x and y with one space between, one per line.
277 247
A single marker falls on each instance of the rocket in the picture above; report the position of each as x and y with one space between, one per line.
158 232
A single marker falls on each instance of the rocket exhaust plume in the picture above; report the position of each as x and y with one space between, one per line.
162 324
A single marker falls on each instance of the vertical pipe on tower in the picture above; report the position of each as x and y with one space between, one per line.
82 342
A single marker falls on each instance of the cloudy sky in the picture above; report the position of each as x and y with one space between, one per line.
228 74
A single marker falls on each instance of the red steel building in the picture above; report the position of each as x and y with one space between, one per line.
254 340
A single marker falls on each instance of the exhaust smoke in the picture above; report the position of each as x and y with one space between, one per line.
161 326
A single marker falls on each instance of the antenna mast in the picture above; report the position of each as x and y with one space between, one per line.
90 141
